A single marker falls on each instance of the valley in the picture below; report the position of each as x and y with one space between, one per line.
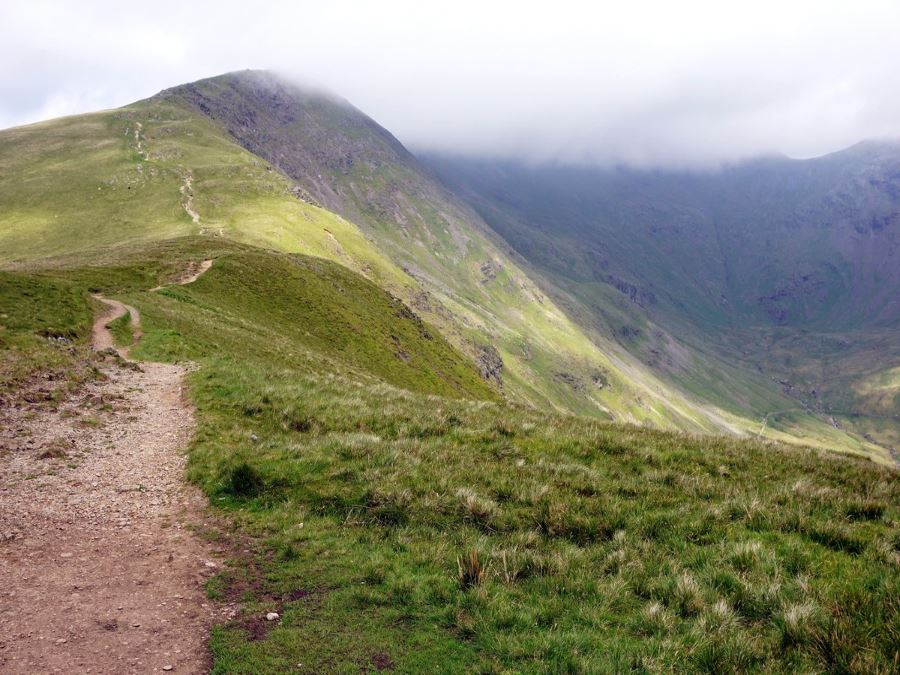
769 285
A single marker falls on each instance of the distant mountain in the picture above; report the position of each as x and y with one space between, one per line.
775 272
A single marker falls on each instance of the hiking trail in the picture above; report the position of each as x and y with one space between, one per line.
101 568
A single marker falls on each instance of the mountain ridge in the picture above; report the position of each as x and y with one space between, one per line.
379 185
357 197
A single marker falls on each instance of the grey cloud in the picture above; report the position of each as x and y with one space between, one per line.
645 82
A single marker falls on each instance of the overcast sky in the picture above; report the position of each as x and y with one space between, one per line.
642 82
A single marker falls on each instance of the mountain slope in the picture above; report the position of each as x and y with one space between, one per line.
473 289
153 171
328 181
777 278
394 527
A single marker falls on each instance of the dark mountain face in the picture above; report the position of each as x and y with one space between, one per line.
310 136
788 269
781 242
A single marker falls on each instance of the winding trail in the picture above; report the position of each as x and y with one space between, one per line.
101 568
191 273
187 191
102 338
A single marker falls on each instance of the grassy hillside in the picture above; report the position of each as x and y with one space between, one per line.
469 285
768 288
290 306
171 166
393 527
157 170
286 305
136 174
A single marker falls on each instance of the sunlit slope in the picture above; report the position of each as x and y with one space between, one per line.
286 308
154 171
294 309
473 288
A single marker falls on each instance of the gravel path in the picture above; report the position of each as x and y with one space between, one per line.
101 337
100 567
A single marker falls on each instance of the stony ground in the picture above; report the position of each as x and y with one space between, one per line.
101 562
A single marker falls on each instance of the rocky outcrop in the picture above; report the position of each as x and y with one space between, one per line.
488 362
489 270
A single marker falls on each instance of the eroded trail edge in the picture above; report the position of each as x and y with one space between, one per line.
101 568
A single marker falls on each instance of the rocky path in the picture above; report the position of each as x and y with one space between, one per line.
101 337
187 191
101 565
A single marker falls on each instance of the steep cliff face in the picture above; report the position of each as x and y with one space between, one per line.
311 136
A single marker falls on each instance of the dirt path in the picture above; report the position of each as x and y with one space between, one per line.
191 273
101 338
187 191
100 567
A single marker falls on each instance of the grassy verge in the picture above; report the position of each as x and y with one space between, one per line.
396 517
122 330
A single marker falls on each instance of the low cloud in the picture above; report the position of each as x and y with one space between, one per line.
642 83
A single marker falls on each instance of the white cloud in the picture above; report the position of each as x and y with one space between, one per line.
642 82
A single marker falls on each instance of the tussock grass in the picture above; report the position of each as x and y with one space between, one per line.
580 556
386 510
471 571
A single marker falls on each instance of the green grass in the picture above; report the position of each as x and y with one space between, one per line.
43 327
122 330
287 307
602 547
395 520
